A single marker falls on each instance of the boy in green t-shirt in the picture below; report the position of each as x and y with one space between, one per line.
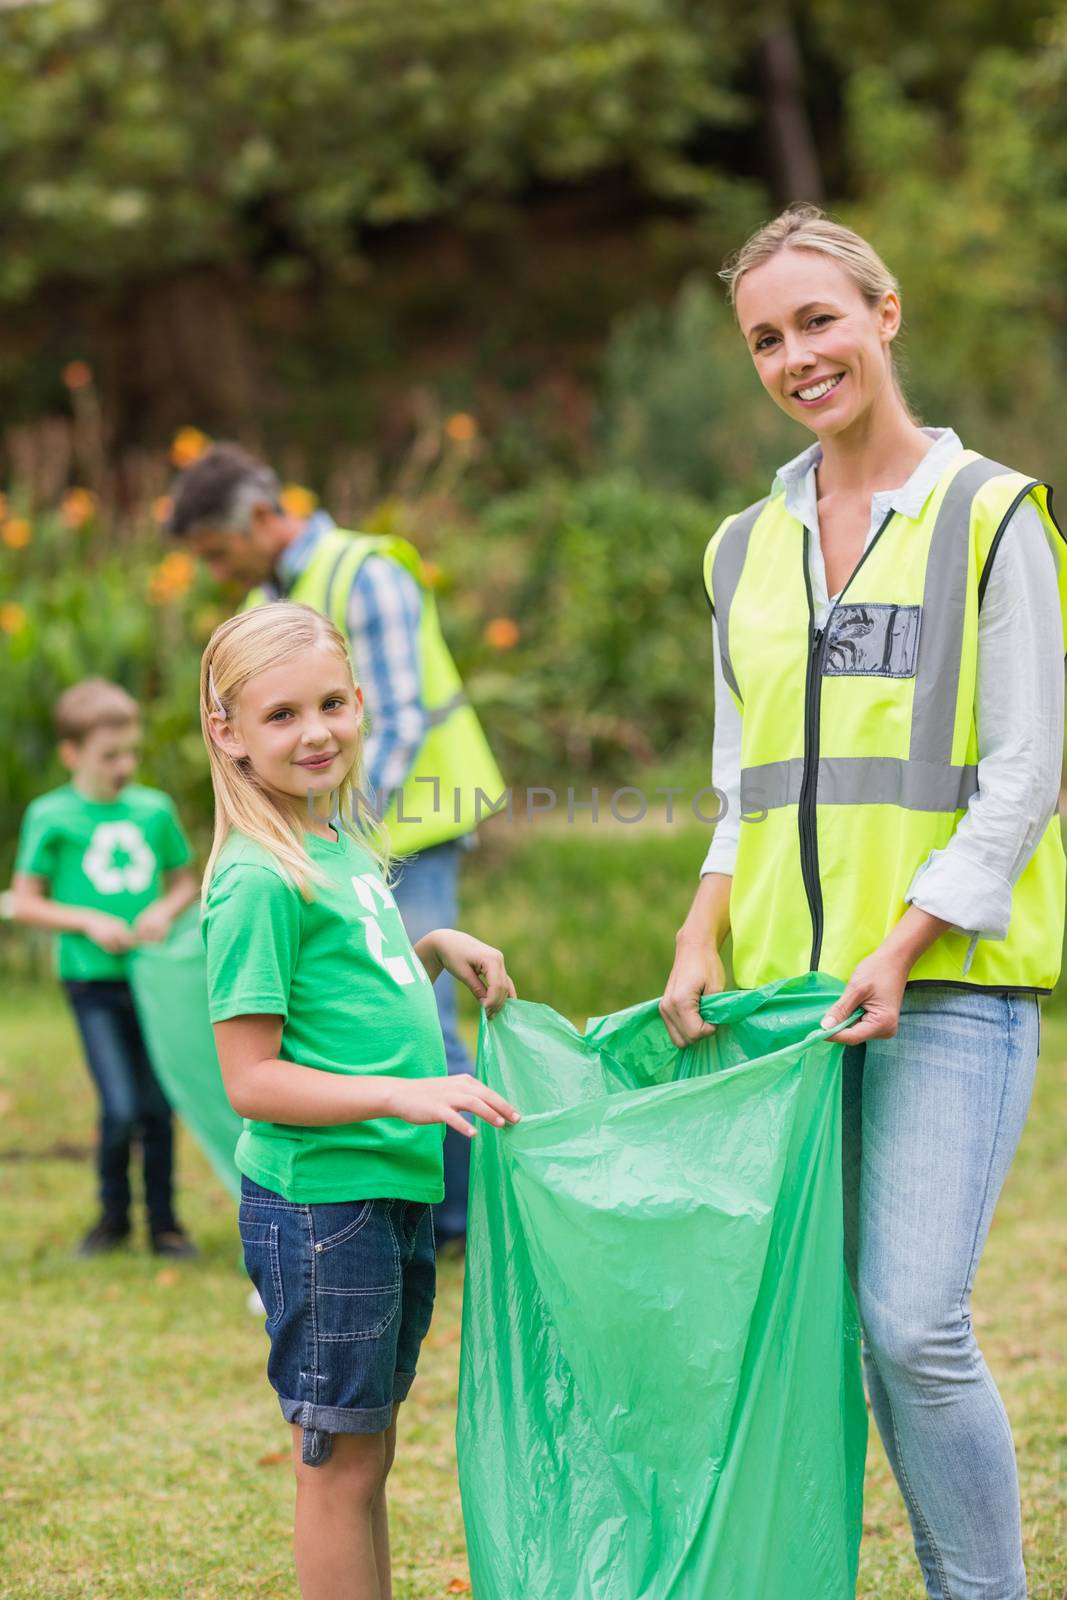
105 863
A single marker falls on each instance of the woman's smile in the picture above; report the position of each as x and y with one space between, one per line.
813 394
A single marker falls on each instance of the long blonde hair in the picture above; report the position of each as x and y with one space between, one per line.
806 227
237 651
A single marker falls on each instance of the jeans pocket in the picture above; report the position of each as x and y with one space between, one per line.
263 1264
357 1275
350 1226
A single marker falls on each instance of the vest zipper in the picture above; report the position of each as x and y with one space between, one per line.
809 838
809 783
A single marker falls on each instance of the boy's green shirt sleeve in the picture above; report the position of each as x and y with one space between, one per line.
175 850
36 852
251 930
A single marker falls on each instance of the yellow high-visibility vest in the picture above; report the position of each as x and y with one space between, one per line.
455 779
859 747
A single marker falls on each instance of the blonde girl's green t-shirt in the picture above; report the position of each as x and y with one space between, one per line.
355 1000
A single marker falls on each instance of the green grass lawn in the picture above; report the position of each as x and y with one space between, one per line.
144 1456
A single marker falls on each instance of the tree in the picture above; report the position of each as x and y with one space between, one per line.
263 136
968 203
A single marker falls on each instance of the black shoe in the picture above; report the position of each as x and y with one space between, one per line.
110 1233
172 1241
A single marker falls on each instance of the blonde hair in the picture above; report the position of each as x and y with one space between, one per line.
805 227
238 651
93 703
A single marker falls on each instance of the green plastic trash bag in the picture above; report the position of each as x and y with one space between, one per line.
660 1391
169 983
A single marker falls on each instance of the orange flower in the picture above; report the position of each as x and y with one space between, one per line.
461 427
12 618
431 574
78 507
298 501
77 375
16 533
162 506
502 633
187 446
172 578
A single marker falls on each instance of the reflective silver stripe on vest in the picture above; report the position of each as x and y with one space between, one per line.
860 781
933 717
725 576
344 556
442 713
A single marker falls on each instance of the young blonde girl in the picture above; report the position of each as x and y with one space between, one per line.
331 1050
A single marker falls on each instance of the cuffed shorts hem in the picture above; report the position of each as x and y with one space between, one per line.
320 1423
337 1419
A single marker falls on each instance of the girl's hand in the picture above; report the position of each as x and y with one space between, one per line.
423 1100
697 971
478 965
878 986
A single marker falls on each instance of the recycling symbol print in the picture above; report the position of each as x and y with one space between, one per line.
118 859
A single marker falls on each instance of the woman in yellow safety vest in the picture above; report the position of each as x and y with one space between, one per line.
889 646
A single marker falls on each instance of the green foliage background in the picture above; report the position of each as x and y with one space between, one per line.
328 226
330 201
267 133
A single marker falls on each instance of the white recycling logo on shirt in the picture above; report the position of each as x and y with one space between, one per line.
372 893
118 859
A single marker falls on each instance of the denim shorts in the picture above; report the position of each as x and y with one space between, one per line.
348 1288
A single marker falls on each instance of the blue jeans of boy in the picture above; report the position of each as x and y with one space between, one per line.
132 1105
425 895
931 1121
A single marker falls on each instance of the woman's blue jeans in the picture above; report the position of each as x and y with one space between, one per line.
426 895
931 1122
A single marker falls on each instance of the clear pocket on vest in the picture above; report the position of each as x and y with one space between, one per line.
872 641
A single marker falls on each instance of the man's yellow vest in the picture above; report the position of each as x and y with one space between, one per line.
455 780
859 748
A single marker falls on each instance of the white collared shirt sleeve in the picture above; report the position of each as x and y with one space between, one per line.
384 609
1019 715
725 771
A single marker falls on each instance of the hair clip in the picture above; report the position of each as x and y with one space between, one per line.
214 693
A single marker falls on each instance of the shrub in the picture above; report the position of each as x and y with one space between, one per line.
576 611
118 606
682 405
608 662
